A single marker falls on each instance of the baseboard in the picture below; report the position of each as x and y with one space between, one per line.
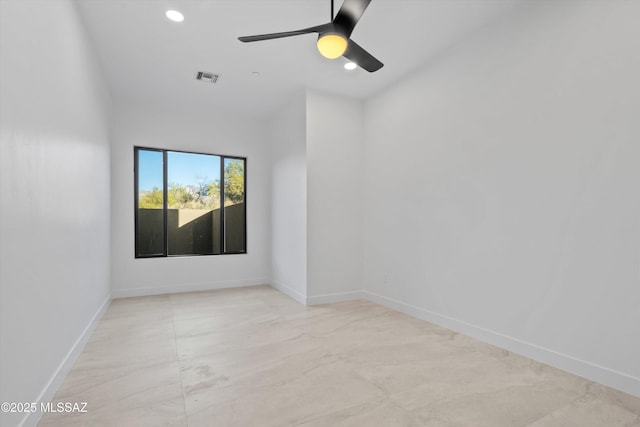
184 287
302 299
49 391
333 298
609 377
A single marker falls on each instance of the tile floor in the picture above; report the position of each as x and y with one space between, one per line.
254 357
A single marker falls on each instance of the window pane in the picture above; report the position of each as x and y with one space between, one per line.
234 206
150 225
193 201
189 203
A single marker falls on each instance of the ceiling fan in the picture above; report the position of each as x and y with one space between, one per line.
334 37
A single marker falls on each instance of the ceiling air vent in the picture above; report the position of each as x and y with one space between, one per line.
207 77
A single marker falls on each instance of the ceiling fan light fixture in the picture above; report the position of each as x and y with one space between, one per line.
332 45
334 36
350 66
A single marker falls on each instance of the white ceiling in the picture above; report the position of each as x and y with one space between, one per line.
148 59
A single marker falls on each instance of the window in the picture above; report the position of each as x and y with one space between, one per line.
189 203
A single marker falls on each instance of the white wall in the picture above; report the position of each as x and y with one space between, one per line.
289 200
334 198
54 197
198 132
502 188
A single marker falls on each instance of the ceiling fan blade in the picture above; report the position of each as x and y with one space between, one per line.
316 29
349 14
361 57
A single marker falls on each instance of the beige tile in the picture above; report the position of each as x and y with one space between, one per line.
324 320
373 413
160 414
238 338
207 384
147 394
196 304
588 411
253 356
224 320
107 360
615 397
139 307
319 390
506 406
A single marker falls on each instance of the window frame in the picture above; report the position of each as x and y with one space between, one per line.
165 192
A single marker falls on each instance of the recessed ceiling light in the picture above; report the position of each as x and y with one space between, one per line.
174 15
350 66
